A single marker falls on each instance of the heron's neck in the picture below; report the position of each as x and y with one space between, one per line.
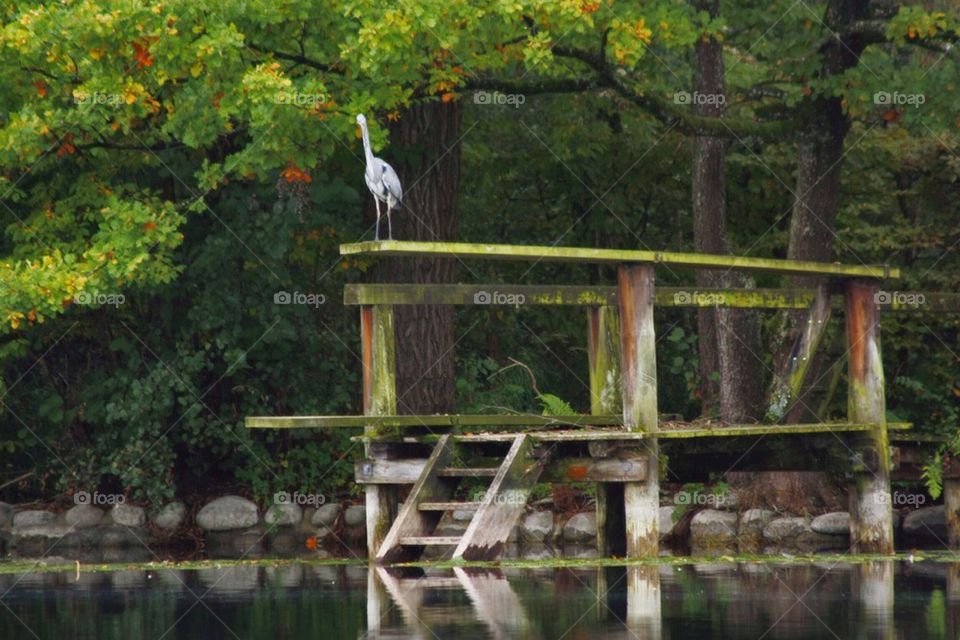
367 152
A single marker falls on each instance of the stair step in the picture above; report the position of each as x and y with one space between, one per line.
465 472
448 541
448 506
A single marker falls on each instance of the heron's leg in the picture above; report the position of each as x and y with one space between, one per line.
376 234
389 224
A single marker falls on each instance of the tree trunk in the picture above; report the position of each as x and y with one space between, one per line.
425 141
729 338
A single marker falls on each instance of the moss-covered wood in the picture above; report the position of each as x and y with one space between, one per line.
569 295
379 398
638 358
452 420
789 382
872 518
462 250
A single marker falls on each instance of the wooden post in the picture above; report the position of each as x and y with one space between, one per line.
873 528
951 506
872 590
603 352
641 501
379 399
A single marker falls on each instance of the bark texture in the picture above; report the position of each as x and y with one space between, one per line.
729 338
426 154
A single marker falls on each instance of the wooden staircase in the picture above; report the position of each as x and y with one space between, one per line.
432 496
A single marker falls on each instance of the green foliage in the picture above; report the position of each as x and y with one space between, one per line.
554 406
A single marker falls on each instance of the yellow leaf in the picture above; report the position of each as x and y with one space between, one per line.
197 68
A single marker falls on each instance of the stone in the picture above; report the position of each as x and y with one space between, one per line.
228 513
326 516
463 515
355 515
729 500
120 537
283 515
581 528
753 521
128 515
537 526
170 516
83 516
786 529
713 530
836 523
665 523
33 518
929 522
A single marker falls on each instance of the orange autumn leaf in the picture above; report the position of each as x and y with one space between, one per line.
448 97
41 88
312 543
891 115
142 54
67 146
293 173
32 315
149 226
589 7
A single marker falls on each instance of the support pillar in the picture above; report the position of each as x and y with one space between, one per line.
873 518
639 382
379 399
603 352
951 506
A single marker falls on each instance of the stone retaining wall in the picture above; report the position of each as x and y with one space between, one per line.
234 526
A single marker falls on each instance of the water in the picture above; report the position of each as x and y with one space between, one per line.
871 600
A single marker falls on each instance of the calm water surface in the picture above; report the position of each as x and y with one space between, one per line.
751 601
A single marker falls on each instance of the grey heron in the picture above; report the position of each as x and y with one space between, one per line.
382 180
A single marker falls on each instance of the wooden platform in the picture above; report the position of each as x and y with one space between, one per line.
463 250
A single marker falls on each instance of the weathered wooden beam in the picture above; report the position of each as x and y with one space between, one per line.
603 357
873 530
788 383
639 378
462 250
455 421
502 504
628 468
411 521
569 295
379 398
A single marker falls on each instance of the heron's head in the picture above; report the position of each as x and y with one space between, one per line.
361 120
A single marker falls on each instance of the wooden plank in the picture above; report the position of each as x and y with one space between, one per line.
639 378
411 521
467 472
462 250
379 398
618 436
425 541
788 383
497 420
503 504
623 469
866 404
569 295
449 506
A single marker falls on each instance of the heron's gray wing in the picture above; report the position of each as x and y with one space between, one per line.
392 182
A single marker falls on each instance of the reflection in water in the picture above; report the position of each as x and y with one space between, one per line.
749 601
